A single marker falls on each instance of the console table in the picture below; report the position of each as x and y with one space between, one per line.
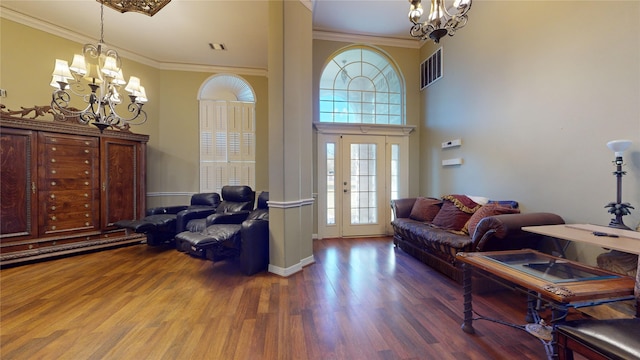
561 283
623 240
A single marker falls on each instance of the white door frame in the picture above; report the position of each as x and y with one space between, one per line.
330 133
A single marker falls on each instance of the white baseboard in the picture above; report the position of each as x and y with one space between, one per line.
286 272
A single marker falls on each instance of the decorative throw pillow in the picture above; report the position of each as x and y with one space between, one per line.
487 210
455 212
425 209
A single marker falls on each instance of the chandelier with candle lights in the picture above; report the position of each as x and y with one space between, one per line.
95 76
441 21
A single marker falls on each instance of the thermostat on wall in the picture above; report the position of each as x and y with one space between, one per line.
448 162
451 143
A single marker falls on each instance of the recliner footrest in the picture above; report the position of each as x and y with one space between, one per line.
138 226
213 237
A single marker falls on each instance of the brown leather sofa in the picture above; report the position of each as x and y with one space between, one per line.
437 246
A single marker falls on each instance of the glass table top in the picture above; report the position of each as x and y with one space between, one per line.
548 268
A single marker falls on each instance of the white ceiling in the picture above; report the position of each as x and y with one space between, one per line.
178 36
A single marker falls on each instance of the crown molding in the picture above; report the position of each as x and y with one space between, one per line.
82 39
367 39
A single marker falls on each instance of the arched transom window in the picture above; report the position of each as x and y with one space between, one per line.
361 85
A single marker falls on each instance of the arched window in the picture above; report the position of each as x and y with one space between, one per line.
361 85
227 133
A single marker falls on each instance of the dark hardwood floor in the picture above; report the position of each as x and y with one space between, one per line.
362 299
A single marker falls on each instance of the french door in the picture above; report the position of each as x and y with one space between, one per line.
357 177
362 185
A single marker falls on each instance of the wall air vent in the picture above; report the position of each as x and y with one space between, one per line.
431 69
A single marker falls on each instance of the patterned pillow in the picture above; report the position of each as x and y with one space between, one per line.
425 209
455 212
487 210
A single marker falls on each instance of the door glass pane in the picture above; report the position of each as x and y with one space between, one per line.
363 180
395 170
331 188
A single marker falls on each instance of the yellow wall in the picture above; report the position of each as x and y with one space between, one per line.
535 90
28 56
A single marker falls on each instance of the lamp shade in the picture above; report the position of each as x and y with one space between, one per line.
61 69
134 85
110 67
119 79
93 74
141 96
619 146
78 65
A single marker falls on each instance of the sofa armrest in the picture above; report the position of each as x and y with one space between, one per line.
187 215
504 232
165 210
227 218
402 207
254 252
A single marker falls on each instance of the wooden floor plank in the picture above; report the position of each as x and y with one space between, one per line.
361 299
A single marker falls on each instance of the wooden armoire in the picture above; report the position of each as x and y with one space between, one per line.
64 185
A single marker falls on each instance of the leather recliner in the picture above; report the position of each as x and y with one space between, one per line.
161 224
244 235
236 201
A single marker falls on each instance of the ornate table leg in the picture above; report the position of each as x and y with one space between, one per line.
467 326
532 316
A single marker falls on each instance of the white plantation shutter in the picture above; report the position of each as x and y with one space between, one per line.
227 144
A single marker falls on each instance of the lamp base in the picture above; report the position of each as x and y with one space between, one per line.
618 224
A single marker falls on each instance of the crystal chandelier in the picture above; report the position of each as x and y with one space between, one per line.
440 21
96 77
